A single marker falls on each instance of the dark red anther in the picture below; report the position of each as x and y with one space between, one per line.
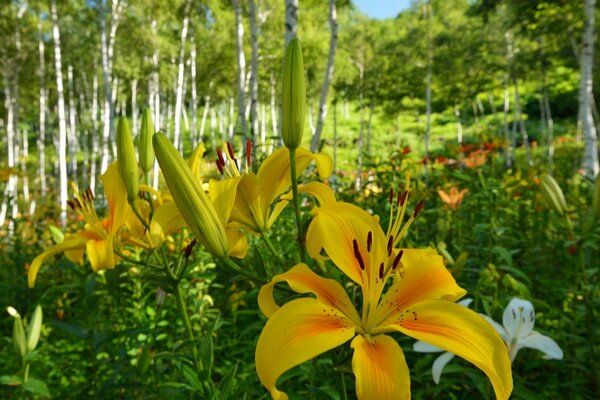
188 249
418 208
397 259
90 194
391 196
381 271
230 150
71 204
220 155
390 245
220 166
248 152
357 255
77 202
369 241
402 198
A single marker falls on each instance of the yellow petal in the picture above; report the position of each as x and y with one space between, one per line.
166 220
324 164
380 369
303 280
222 194
247 209
320 191
195 161
299 331
275 211
67 245
460 331
238 244
335 227
100 254
116 196
422 276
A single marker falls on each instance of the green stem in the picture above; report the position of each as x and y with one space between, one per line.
186 322
341 383
272 249
256 279
139 216
26 373
296 204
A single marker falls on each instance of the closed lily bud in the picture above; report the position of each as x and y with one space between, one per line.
193 204
128 167
294 96
553 194
34 328
18 333
145 143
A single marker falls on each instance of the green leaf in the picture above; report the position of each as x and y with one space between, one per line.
226 384
37 386
11 380
192 377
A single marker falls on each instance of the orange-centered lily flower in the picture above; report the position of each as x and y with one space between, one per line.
99 237
453 198
258 197
419 302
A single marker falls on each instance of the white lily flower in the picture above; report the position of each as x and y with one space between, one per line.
444 358
518 320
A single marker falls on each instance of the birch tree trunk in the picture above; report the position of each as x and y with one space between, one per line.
241 70
274 123
205 111
62 124
107 43
180 74
333 25
590 150
73 143
194 107
459 130
10 191
508 145
134 107
254 130
95 141
428 87
291 20
41 142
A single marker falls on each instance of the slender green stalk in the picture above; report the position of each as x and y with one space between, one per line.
186 323
139 216
297 204
270 246
341 384
26 373
254 278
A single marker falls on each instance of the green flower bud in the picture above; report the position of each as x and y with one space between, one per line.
18 332
145 144
128 167
34 328
553 194
294 96
193 204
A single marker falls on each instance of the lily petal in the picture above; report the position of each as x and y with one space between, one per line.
222 194
542 343
380 369
303 280
424 278
299 331
100 253
66 245
247 210
320 191
499 328
460 331
238 244
518 318
166 220
438 366
116 196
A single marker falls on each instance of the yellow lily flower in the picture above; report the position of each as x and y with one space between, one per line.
258 197
99 237
419 302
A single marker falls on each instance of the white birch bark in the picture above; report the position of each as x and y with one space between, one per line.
95 140
459 129
333 26
62 124
274 122
241 71
291 20
10 190
41 142
194 106
254 32
590 165
72 129
205 112
180 74
230 128
134 107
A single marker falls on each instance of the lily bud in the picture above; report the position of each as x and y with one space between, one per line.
128 168
34 328
193 204
145 144
18 333
294 96
553 194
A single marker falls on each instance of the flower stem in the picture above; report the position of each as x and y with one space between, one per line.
296 204
271 248
186 322
254 278
341 383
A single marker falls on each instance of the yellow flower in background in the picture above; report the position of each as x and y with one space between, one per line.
419 302
453 198
99 237
258 198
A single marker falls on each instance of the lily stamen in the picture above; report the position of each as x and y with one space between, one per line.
357 255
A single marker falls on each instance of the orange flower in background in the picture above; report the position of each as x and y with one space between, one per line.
476 159
406 150
454 198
